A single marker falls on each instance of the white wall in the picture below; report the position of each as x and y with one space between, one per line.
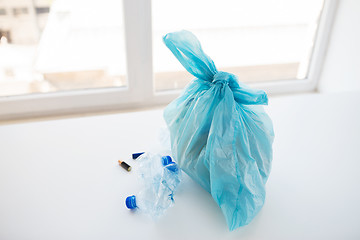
341 69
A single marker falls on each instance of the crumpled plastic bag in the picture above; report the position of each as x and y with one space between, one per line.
220 134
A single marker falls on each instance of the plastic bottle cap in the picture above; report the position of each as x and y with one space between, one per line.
173 167
166 160
136 155
131 202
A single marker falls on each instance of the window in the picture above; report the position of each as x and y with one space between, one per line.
67 49
20 11
40 10
257 40
2 11
91 55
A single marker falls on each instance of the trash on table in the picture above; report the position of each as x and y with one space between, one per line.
220 134
136 155
124 165
161 177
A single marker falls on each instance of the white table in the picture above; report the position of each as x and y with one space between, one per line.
59 179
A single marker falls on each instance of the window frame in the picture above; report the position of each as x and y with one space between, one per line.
141 93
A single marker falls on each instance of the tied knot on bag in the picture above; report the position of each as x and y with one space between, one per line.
223 78
187 49
242 94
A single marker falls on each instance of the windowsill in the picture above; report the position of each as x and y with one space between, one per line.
159 107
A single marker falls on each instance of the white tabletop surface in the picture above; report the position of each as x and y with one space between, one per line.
59 179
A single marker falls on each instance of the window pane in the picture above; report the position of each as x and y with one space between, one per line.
258 40
49 46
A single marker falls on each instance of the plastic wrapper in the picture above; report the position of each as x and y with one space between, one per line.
220 134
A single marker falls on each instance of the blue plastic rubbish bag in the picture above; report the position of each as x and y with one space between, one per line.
220 134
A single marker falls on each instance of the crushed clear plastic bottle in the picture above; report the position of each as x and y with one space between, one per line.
161 177
171 175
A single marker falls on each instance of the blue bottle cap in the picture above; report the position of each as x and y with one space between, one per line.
173 167
131 202
136 155
166 160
